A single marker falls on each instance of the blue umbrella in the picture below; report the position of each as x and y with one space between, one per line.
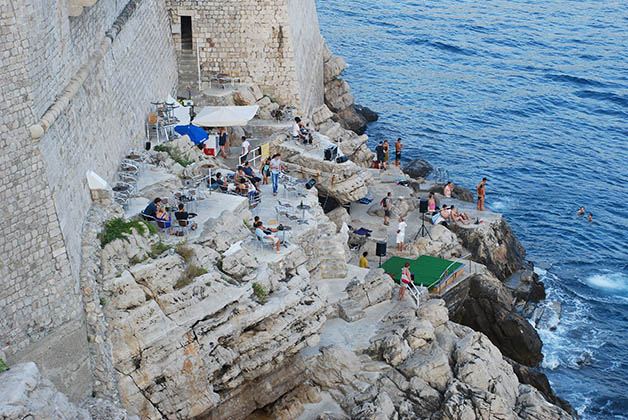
196 134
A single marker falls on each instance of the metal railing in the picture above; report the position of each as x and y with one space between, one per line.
256 158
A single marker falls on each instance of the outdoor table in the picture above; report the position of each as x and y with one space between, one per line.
303 207
283 231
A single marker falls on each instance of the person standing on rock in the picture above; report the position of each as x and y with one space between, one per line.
386 206
246 148
379 151
275 169
448 189
406 278
481 192
386 149
222 142
401 234
398 147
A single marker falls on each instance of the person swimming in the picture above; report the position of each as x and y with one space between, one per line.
581 211
590 217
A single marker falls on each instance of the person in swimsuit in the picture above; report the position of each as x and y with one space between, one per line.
581 211
481 192
431 203
398 147
458 217
448 189
406 278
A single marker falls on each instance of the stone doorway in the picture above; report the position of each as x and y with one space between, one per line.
186 33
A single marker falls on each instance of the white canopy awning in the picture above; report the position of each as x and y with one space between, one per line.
225 116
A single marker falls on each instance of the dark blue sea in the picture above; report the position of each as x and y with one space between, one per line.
534 96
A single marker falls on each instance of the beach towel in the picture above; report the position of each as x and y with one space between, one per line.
362 231
364 200
437 218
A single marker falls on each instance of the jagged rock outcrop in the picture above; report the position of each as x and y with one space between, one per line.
189 346
351 144
442 244
25 394
102 409
373 288
367 113
422 365
345 182
526 287
494 245
488 307
339 216
418 168
531 376
337 95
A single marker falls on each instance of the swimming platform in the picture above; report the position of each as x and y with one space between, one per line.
431 272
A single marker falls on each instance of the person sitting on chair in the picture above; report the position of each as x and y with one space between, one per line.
267 230
163 218
264 237
183 216
151 209
241 181
248 172
305 136
219 182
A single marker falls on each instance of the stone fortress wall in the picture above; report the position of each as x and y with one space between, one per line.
274 44
102 87
77 80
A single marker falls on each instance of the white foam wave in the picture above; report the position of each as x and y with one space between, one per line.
613 282
503 204
550 362
539 271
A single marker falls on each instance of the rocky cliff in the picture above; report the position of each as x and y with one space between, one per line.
191 347
494 245
25 394
421 365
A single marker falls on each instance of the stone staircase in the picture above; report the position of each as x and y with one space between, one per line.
331 255
188 73
350 311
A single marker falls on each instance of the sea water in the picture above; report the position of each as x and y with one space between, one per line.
534 96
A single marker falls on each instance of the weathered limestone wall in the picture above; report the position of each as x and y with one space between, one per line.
106 116
274 44
40 306
308 45
43 181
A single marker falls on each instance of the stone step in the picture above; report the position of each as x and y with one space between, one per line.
350 311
